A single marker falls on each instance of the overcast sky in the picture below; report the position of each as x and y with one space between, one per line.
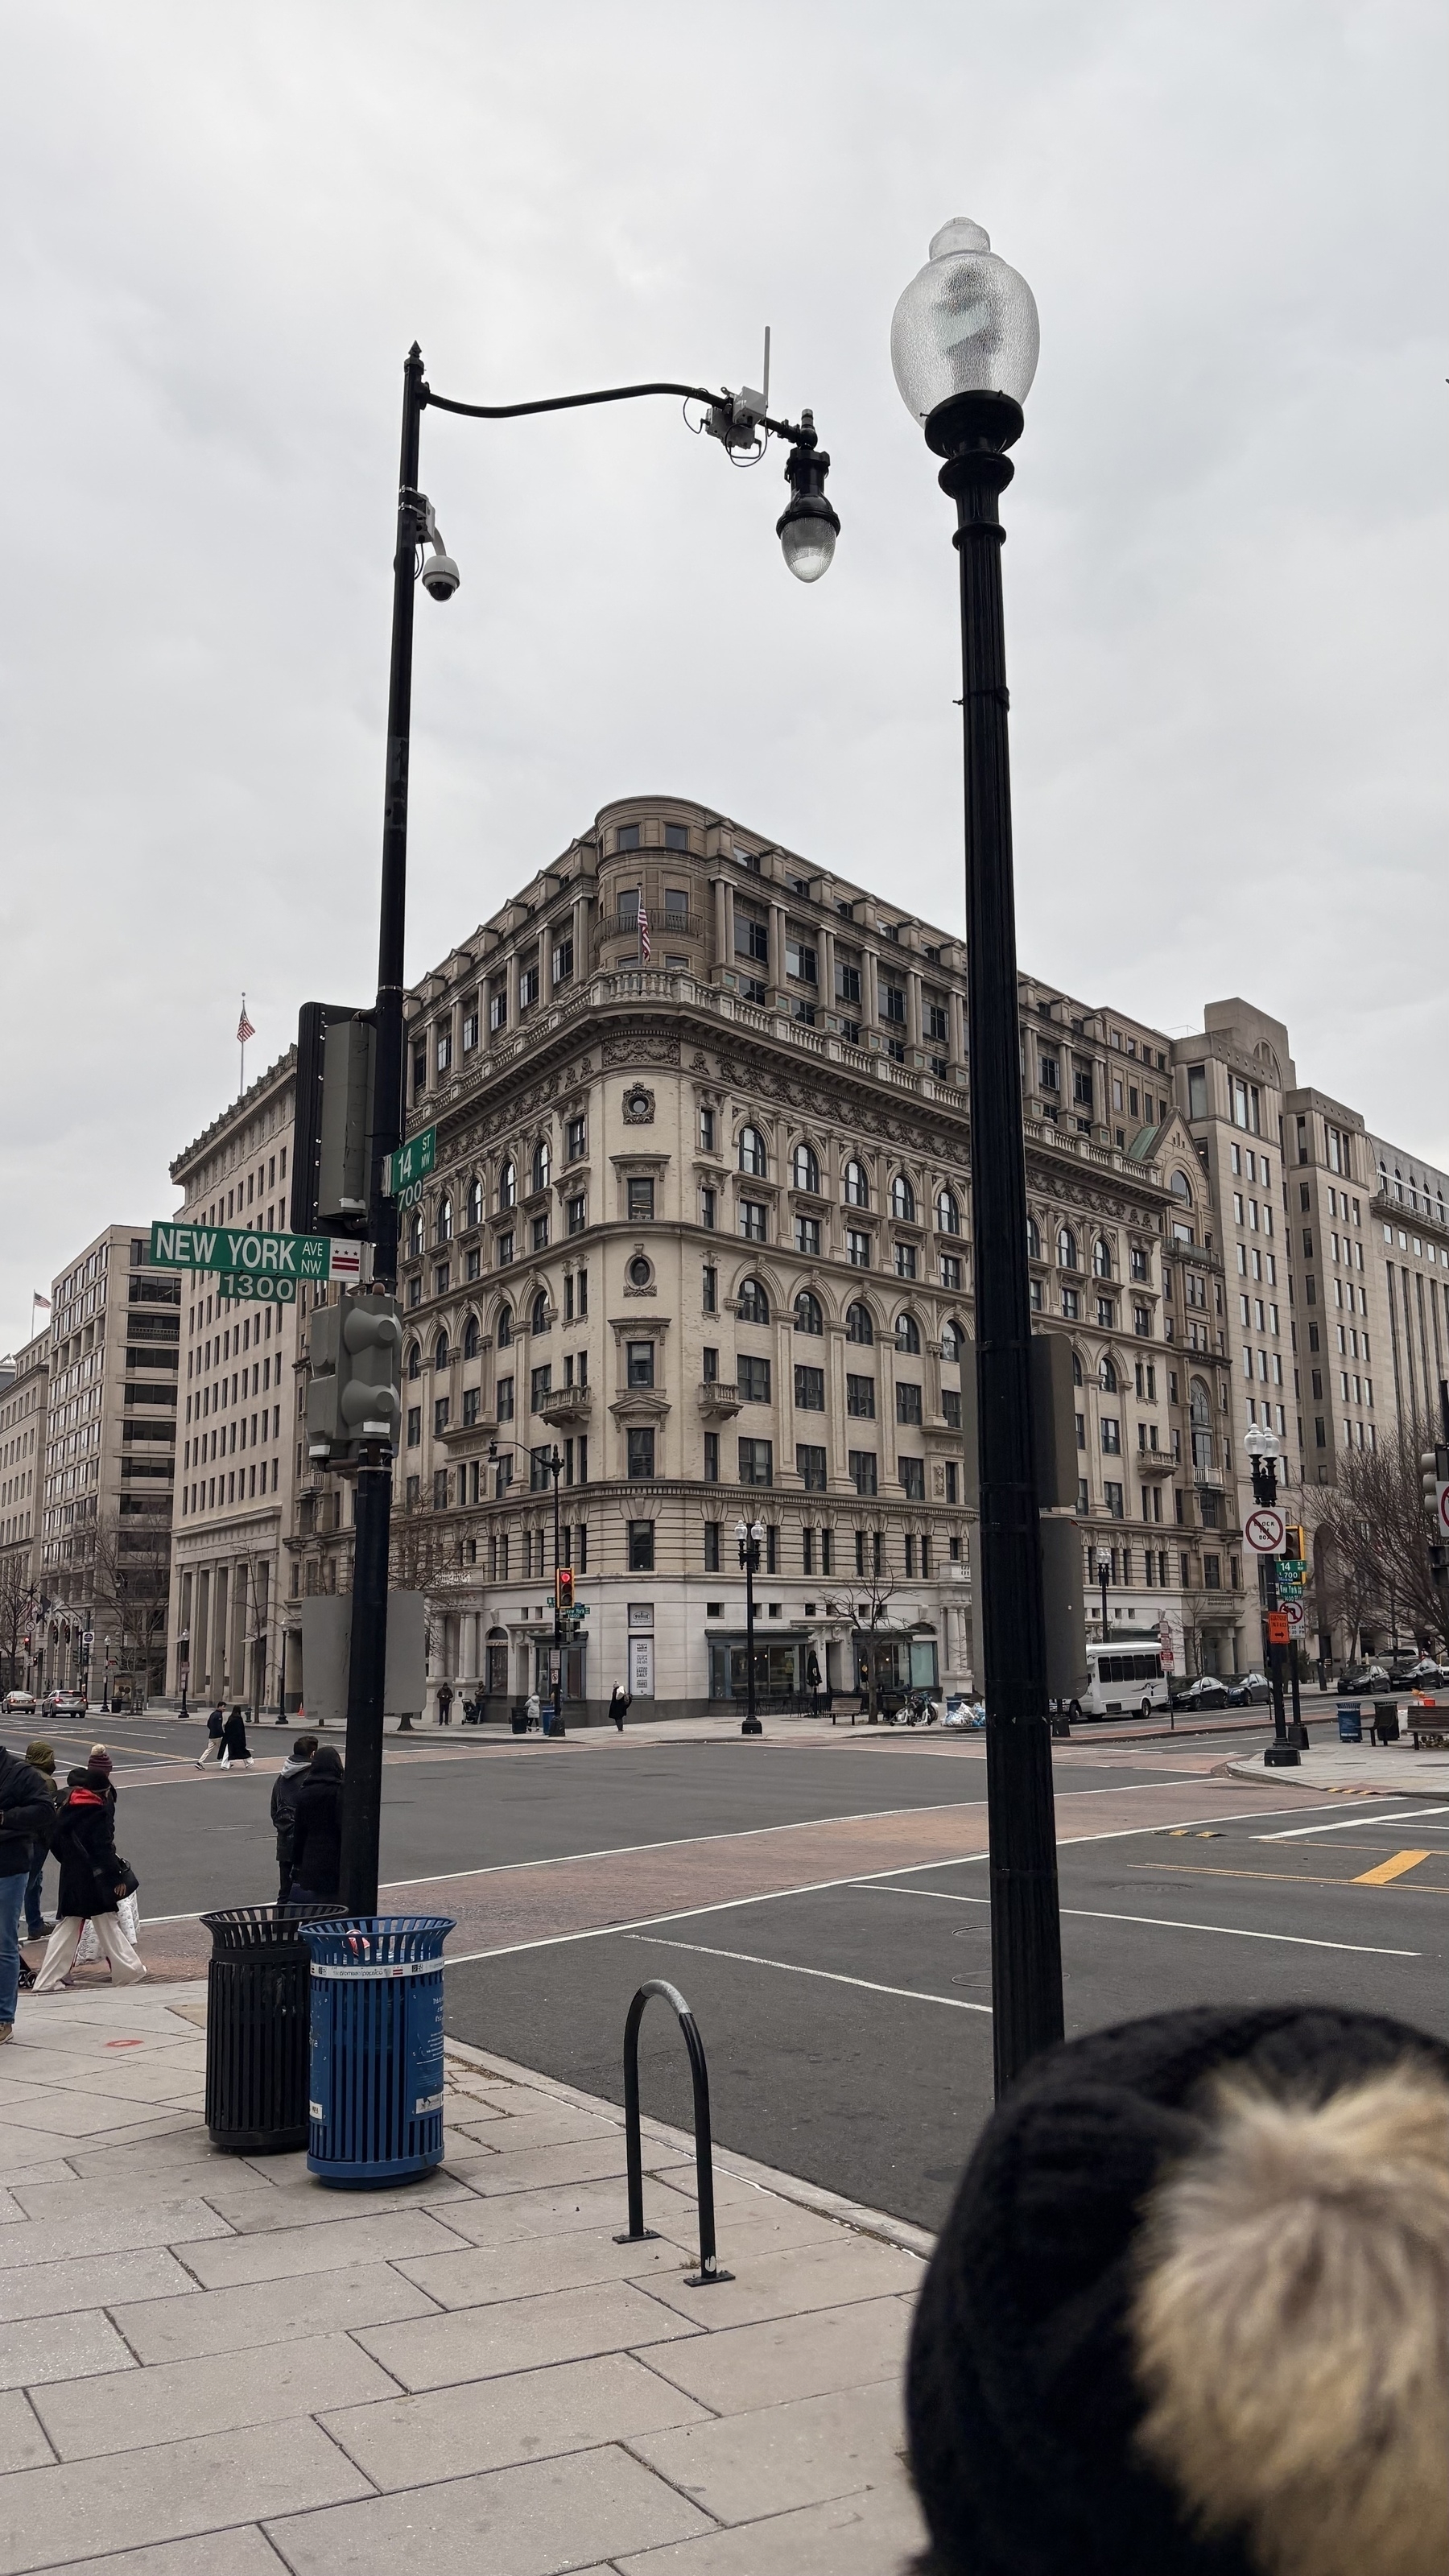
1225 566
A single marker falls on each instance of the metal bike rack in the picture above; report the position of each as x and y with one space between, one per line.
637 2233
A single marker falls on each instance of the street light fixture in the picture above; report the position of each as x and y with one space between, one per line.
743 425
1104 1576
964 348
553 1465
1262 1450
750 1535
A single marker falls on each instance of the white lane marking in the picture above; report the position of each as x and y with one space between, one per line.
1157 1922
1361 1816
749 1959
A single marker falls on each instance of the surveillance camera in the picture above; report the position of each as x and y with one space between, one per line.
440 576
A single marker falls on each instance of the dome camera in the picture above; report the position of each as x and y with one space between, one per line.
440 576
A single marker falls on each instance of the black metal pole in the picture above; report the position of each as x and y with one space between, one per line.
362 1797
749 1559
972 432
556 1470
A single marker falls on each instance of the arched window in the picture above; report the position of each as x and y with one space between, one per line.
953 1340
857 1187
415 1234
440 1351
858 1326
1108 1374
752 1303
1200 1414
752 1152
908 1333
542 1164
806 1169
503 1334
508 1185
1101 1258
948 1214
1181 1188
475 1202
1066 1249
1076 1369
415 1360
808 1318
472 1338
538 1314
1033 1239
443 1224
903 1199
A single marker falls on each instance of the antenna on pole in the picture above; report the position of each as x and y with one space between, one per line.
766 387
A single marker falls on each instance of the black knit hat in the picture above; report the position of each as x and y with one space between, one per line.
1021 2399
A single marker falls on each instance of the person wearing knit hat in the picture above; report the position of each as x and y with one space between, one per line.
1187 2316
41 1758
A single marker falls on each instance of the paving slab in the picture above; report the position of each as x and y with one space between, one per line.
876 2534
495 2272
22 2443
521 2334
748 2367
268 2312
82 2345
1390 1770
254 2207
741 2467
588 2161
531 2521
792 2281
173 2217
176 2400
91 2281
333 2245
241 2552
452 2432
169 2491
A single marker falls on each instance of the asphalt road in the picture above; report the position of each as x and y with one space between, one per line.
844 1996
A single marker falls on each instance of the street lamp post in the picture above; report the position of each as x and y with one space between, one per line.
964 348
183 1666
1104 1576
750 1535
1262 1452
553 1465
807 530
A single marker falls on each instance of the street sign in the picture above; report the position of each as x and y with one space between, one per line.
1278 1627
411 1163
88 1636
1441 1510
243 1252
1295 1614
1263 1530
266 1291
1292 1574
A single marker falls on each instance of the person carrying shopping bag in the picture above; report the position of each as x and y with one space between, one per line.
93 1881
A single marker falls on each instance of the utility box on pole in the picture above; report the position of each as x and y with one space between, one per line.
332 1148
327 1656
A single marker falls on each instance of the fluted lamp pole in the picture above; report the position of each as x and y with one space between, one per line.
964 344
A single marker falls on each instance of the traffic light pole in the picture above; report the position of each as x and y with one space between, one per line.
362 1795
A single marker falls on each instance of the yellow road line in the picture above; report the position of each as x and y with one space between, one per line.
1271 1877
1387 1869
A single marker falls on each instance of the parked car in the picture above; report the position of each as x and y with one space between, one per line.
1423 1674
1250 1690
19 1703
1208 1692
1364 1677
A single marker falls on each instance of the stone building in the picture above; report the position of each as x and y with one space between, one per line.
109 1466
701 1222
239 1459
23 1381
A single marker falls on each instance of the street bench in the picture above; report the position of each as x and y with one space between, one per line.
1428 1726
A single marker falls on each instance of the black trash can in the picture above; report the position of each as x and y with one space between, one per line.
258 2021
1386 1720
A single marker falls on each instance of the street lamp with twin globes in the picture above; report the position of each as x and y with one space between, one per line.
750 1538
964 343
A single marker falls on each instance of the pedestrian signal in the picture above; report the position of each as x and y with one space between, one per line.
563 1589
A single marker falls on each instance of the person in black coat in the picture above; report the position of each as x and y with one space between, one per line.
25 1814
235 1747
317 1830
92 1883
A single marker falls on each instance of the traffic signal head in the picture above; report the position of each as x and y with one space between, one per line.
563 1587
1293 1543
354 1394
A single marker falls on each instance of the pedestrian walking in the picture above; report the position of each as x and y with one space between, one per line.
1203 2261
93 1880
619 1705
317 1830
445 1705
215 1729
41 1758
98 1764
235 1747
285 1790
26 1810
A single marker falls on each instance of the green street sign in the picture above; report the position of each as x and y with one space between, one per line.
243 1252
1292 1573
410 1164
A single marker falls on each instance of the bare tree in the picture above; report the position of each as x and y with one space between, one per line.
865 1609
428 1553
131 1579
14 1617
1372 1536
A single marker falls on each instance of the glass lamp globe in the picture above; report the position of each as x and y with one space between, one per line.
807 543
966 324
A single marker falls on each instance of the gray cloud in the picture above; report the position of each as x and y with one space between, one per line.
1227 536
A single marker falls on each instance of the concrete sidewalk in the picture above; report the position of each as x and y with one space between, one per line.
1390 1770
212 2366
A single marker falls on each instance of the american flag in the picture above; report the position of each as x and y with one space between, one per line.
244 1029
643 933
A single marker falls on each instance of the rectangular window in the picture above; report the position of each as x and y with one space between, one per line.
905 1261
810 1468
540 1234
1112 1501
415 1426
807 1236
847 981
505 1399
752 1220
577 1216
711 1457
757 1462
951 1270
540 1381
908 1403
711 1547
753 1380
752 938
528 988
444 1049
810 1390
563 962
862 1469
807 1548
1197 1091
640 1201
857 1248
707 1210
937 1022
1111 1436
860 1398
471 1400
800 960
641 1451
641 1363
641 1547
440 1489
893 1002
913 1479
709 1282
440 1413
575 1140
706 1131
504 1249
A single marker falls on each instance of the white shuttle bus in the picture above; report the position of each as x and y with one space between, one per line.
1125 1681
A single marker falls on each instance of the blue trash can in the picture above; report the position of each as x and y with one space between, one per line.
1350 1722
376 2075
